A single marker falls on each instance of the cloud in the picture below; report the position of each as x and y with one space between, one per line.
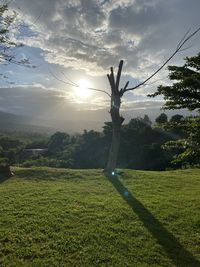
89 36
38 101
52 108
135 19
92 35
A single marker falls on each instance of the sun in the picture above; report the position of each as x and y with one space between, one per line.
82 90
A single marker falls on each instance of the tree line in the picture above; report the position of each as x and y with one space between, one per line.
143 146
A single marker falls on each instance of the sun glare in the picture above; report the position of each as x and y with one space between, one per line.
82 90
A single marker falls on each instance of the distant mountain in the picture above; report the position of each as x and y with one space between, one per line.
86 120
12 122
6 118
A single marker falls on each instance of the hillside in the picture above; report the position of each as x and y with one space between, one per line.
11 122
62 217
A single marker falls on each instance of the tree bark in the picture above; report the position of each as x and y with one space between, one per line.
117 121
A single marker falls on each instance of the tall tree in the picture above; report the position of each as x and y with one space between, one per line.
184 93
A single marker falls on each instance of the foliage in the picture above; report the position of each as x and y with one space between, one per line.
162 118
58 141
185 90
10 149
55 217
6 20
187 149
143 146
7 42
184 93
3 161
176 118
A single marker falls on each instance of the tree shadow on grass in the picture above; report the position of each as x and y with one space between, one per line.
176 252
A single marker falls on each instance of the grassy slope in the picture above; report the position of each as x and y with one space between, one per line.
54 217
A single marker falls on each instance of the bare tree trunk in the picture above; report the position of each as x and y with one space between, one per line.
117 121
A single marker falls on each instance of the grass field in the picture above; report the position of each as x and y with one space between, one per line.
57 217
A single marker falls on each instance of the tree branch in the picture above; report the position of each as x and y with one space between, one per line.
179 48
112 76
123 89
119 74
76 85
68 78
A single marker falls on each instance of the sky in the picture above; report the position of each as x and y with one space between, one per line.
78 41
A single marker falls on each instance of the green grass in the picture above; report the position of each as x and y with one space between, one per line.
57 217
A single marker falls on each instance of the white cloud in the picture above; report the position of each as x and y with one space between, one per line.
92 35
87 37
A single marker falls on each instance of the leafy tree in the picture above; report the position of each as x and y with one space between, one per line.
184 93
10 150
58 142
91 150
186 148
5 42
141 146
7 23
177 118
147 120
37 144
162 118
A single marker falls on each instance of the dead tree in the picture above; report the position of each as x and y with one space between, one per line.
117 119
116 95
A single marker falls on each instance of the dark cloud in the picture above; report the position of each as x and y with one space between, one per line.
92 13
137 20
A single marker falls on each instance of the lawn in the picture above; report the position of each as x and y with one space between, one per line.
61 217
